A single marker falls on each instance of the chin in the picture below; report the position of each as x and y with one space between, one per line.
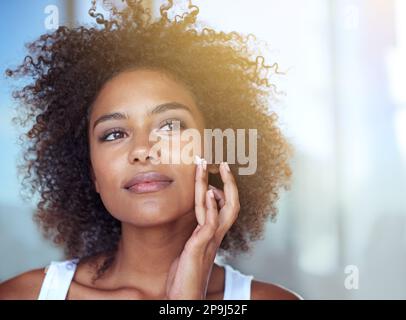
148 213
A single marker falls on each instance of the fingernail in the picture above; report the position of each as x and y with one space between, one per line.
226 166
204 163
211 194
198 160
211 187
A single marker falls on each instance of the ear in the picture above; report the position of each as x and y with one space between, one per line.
94 180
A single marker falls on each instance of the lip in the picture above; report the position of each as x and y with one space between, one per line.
148 182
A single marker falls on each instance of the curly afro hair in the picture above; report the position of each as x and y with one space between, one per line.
67 67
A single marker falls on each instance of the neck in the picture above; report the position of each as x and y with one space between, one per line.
145 254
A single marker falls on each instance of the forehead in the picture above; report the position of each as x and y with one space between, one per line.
141 90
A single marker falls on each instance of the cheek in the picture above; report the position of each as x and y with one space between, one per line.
179 149
185 184
108 172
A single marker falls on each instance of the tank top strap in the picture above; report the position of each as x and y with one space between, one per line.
57 280
237 285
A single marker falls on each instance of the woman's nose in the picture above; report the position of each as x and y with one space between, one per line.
141 150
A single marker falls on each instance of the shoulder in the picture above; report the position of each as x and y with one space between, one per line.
25 286
268 291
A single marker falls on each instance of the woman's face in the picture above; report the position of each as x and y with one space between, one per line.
117 157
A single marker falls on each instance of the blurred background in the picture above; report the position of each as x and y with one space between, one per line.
340 231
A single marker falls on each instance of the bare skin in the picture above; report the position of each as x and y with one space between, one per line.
177 230
26 286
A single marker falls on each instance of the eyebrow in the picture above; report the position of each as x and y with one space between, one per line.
158 109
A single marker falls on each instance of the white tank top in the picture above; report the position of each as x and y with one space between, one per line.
59 275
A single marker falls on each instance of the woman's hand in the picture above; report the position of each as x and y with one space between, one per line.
216 211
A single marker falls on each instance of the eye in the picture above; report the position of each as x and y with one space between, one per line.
114 133
168 125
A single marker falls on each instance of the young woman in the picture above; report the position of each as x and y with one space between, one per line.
132 228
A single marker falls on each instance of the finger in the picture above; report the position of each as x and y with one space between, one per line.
212 212
200 192
218 195
229 213
204 234
211 225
